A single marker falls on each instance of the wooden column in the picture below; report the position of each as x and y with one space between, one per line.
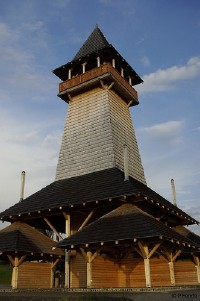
171 258
67 257
53 264
89 257
89 269
16 262
197 262
146 254
171 272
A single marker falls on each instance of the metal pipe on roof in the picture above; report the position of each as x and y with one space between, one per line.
23 175
173 192
126 172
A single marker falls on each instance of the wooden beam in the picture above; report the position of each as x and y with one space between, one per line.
86 220
52 228
144 249
53 264
11 260
94 255
154 249
21 260
138 251
176 255
84 254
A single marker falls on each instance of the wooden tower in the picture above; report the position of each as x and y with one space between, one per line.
98 134
119 232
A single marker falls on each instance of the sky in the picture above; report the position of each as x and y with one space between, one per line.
158 38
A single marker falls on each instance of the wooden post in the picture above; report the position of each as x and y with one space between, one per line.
171 258
16 262
89 269
53 264
147 272
146 254
171 272
89 257
197 262
67 257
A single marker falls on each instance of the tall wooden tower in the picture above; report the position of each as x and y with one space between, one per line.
98 134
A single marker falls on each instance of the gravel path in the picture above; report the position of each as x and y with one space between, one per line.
62 295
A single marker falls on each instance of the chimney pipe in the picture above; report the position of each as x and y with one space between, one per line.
23 174
126 173
173 192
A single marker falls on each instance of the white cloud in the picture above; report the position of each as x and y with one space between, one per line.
168 131
162 80
32 147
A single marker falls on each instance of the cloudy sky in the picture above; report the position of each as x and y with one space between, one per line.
159 39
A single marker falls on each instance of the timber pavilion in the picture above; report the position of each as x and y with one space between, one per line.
116 231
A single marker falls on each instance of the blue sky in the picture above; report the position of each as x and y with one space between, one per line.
159 39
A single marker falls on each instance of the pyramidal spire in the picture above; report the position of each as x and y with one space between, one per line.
94 42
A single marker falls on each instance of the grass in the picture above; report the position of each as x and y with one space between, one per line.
5 273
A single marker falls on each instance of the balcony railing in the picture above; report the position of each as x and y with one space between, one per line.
94 73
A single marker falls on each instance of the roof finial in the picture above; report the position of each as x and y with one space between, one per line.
97 25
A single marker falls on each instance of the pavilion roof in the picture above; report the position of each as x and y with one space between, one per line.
101 186
125 223
22 238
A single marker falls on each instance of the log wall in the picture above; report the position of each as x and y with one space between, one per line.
111 273
78 271
34 275
107 273
185 273
160 275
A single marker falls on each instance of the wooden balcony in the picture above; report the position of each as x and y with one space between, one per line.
90 78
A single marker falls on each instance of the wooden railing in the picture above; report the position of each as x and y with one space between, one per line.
94 73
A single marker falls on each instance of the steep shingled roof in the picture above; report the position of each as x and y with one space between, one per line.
100 185
127 222
94 42
22 238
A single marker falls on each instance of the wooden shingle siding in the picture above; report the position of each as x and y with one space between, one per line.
35 275
160 275
78 276
123 134
98 125
185 273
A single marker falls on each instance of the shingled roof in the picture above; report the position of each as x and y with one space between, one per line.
189 234
97 186
127 222
94 42
22 238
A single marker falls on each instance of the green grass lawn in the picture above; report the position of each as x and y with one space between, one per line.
5 273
